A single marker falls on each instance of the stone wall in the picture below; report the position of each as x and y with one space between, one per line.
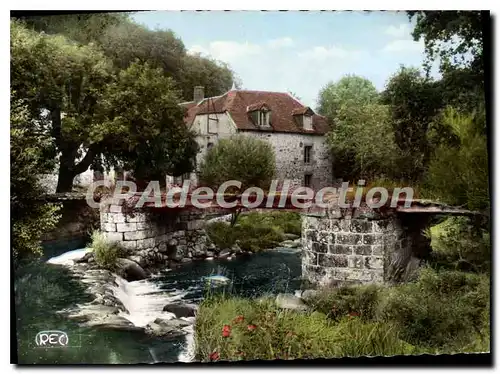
341 249
156 237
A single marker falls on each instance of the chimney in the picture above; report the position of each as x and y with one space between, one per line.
198 94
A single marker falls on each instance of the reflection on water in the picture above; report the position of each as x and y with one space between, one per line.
43 289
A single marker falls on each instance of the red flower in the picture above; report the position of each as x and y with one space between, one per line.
214 356
251 327
238 319
353 314
226 331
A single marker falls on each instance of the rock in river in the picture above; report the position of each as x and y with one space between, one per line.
181 310
130 270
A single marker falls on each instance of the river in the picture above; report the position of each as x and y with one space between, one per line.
52 288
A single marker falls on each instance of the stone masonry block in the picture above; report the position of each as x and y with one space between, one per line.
336 225
373 239
348 239
336 261
340 249
322 237
115 208
126 227
113 236
130 245
116 217
310 258
109 227
319 247
377 250
363 250
361 226
137 217
138 235
355 262
374 262
146 243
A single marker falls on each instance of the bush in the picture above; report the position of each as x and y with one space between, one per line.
442 309
243 158
458 244
338 302
237 329
106 252
255 231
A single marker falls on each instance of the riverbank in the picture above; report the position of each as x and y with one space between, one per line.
443 312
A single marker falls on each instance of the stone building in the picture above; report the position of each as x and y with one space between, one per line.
294 130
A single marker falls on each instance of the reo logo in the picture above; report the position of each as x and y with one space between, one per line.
51 339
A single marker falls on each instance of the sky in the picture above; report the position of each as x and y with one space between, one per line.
298 52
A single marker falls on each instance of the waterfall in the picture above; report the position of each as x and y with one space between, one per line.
143 300
68 258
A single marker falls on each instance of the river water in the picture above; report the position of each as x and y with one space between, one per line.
253 275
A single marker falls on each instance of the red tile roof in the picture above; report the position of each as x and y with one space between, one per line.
283 108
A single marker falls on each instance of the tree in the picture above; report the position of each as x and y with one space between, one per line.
456 38
151 139
30 218
243 158
414 102
351 90
93 112
459 174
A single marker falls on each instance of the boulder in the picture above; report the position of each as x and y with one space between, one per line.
164 330
85 258
224 253
289 236
162 247
138 260
290 301
181 310
236 248
130 270
175 323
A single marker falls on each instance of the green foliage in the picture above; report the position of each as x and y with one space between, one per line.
336 303
451 36
414 102
281 334
150 138
243 158
349 91
30 218
442 309
362 142
459 244
106 252
128 117
255 231
459 174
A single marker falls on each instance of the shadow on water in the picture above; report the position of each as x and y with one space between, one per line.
43 289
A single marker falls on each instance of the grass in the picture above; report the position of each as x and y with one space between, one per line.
106 253
241 329
442 312
255 231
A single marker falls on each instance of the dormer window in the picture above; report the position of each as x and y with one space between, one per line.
304 117
260 114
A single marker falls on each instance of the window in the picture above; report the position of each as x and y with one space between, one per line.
307 180
307 153
209 146
263 118
307 121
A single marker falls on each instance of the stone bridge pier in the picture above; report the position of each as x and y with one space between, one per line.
347 246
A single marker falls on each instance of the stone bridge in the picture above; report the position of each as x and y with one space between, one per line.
340 245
